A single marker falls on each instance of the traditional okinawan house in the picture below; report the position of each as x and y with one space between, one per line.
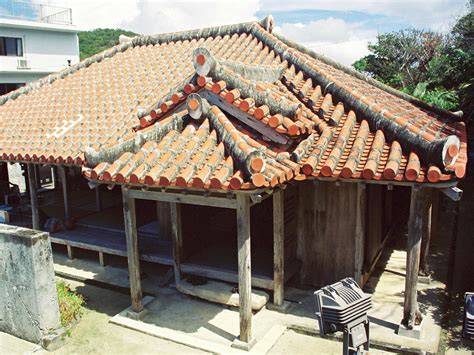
266 160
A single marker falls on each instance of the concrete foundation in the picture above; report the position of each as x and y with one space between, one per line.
28 298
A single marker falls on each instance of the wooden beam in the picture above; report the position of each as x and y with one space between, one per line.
176 232
244 117
132 250
63 175
359 237
33 197
211 201
98 199
426 233
278 248
245 286
454 193
411 313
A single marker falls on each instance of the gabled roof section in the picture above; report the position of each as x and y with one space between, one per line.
233 103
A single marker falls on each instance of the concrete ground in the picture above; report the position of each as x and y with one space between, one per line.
188 316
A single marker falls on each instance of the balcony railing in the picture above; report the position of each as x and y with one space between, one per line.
35 12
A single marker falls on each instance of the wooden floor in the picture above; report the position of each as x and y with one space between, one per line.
113 242
103 232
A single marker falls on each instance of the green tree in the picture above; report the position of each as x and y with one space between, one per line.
402 59
95 41
437 68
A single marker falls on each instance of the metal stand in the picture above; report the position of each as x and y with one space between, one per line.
356 338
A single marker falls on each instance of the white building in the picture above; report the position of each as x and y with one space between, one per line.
35 40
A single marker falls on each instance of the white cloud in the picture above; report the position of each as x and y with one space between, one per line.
434 14
336 38
341 40
90 14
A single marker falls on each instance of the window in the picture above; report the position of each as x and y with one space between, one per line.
11 46
6 88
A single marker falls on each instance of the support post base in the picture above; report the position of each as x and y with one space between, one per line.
242 345
414 333
136 315
283 308
54 340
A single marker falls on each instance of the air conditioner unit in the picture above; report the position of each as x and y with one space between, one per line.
23 64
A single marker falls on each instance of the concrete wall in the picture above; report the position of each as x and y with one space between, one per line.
46 50
28 298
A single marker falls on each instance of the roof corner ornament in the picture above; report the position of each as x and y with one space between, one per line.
124 39
268 23
203 61
196 106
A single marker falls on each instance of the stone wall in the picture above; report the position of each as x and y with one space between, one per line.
28 298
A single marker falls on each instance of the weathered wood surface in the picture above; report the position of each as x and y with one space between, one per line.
64 184
259 280
360 228
211 201
33 197
374 226
278 247
411 313
245 286
130 224
163 212
177 238
98 199
429 215
326 238
114 243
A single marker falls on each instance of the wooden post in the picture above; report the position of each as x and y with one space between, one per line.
411 313
37 176
278 248
164 219
359 238
245 286
62 172
177 238
132 250
426 233
33 197
4 177
98 199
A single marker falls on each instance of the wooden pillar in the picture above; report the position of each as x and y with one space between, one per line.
98 199
132 250
33 197
5 179
177 238
245 286
62 172
411 313
359 237
37 176
163 213
426 233
278 248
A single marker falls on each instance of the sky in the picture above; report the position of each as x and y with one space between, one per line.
339 29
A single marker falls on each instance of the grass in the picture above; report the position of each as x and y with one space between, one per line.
70 304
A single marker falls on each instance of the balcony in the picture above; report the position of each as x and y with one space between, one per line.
25 11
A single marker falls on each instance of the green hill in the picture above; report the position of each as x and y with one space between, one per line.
95 41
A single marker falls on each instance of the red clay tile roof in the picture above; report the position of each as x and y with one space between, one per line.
233 107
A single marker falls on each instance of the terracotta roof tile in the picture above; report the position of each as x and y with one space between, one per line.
290 114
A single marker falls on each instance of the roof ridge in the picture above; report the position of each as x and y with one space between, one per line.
160 38
430 149
348 70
